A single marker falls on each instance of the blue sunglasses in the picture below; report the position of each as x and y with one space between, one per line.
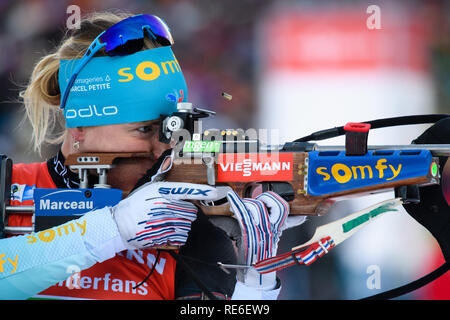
125 37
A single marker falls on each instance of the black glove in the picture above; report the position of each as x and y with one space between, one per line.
433 211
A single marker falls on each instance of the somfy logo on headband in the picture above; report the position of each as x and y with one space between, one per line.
148 70
91 111
123 89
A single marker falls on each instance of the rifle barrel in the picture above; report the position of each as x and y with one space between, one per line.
442 150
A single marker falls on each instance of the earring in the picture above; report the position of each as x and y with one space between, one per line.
76 145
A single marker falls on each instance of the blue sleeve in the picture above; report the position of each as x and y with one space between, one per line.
33 262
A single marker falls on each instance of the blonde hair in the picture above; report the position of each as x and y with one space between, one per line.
42 95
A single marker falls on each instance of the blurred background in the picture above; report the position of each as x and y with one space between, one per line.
294 67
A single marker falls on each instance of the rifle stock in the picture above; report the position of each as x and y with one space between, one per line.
302 200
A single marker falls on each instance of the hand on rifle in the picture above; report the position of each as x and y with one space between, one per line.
261 221
433 211
155 213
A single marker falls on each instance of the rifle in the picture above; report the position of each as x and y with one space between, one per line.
309 176
300 175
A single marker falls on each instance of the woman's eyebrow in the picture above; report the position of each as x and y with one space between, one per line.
144 123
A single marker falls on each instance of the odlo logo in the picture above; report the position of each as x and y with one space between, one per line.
91 111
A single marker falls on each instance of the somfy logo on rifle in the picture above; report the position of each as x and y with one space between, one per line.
332 171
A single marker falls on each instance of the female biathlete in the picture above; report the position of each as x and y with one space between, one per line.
108 83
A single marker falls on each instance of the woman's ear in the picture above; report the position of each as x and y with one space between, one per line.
77 134
72 141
